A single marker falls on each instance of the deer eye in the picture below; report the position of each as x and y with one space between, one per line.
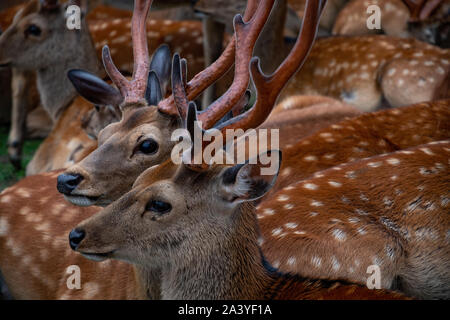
159 207
33 30
148 146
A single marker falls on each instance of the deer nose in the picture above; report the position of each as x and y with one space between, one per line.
68 182
75 238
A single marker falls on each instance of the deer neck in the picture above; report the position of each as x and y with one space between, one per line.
229 266
54 87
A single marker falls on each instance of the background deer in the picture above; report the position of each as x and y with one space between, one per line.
370 212
424 20
370 72
113 32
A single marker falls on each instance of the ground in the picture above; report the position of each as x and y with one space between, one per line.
8 175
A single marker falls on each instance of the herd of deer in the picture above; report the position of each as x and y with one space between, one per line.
355 186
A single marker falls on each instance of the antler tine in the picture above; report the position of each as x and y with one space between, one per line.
178 92
49 4
133 91
246 35
428 8
269 87
211 74
414 7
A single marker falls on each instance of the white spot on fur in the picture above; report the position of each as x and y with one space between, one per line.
374 164
310 158
315 203
291 261
310 186
4 227
316 261
334 184
269 211
335 263
276 232
283 197
339 235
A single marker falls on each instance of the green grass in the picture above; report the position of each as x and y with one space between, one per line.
8 174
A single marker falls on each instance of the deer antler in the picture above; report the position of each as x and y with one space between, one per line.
246 35
421 9
428 8
211 74
133 91
49 4
269 87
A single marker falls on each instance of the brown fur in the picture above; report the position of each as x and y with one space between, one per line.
364 71
67 144
205 246
396 21
389 210
365 136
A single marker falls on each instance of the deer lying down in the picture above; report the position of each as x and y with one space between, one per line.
389 210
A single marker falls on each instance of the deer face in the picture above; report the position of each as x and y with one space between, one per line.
125 149
38 30
162 218
99 118
433 31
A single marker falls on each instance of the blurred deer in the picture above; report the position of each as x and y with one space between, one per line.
425 20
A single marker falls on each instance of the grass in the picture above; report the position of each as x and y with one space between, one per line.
8 174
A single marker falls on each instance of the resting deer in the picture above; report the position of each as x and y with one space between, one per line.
424 20
74 49
389 210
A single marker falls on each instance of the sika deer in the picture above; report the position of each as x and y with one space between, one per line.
370 72
24 52
423 20
389 210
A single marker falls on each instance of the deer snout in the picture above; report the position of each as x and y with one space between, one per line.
75 238
68 182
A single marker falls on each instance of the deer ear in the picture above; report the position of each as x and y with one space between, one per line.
94 89
251 180
161 64
153 94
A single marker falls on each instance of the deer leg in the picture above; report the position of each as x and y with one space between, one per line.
212 47
21 105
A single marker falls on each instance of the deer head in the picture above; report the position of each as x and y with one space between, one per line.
39 40
142 138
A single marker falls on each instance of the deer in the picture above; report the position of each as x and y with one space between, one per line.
393 208
375 71
112 32
423 20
